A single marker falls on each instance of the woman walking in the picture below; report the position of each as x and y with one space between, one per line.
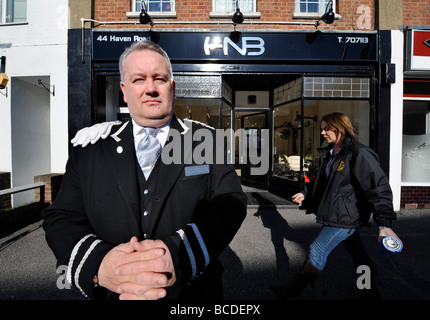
349 186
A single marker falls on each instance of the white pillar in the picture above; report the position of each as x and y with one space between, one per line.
396 117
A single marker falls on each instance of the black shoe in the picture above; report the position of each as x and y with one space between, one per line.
294 288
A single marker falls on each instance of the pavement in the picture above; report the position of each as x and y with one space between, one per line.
268 249
258 198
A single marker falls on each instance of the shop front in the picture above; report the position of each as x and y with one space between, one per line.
415 191
269 90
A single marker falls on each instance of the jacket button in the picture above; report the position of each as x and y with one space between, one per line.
145 213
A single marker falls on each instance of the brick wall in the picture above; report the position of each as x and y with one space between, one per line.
5 201
416 12
52 186
411 196
352 11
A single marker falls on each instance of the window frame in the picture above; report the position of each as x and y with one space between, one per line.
248 15
312 15
3 12
153 14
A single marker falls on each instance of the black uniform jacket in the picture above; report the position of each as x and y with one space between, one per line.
356 187
196 209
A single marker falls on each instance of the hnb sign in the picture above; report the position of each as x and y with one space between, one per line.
251 46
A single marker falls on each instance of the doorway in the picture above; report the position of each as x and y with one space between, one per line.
252 98
235 101
253 122
31 151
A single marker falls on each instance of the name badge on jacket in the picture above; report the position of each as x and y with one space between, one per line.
196 170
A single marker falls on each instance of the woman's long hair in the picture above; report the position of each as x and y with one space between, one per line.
340 123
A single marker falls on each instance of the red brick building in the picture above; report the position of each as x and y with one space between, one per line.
268 14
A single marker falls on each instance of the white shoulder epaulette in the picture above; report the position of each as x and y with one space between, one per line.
184 126
200 123
115 135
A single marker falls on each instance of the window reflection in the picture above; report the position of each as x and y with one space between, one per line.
416 141
288 133
202 110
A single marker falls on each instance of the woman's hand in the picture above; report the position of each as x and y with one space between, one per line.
298 198
387 232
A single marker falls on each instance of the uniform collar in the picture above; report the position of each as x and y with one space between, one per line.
160 133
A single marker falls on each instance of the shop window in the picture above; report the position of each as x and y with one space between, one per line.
198 97
206 99
416 141
322 95
287 135
357 110
203 110
13 11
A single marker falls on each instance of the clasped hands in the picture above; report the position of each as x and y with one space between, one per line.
138 270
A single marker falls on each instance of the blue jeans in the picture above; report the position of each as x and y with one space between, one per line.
325 242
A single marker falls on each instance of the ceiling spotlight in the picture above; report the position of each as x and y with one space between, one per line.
144 17
328 17
237 16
